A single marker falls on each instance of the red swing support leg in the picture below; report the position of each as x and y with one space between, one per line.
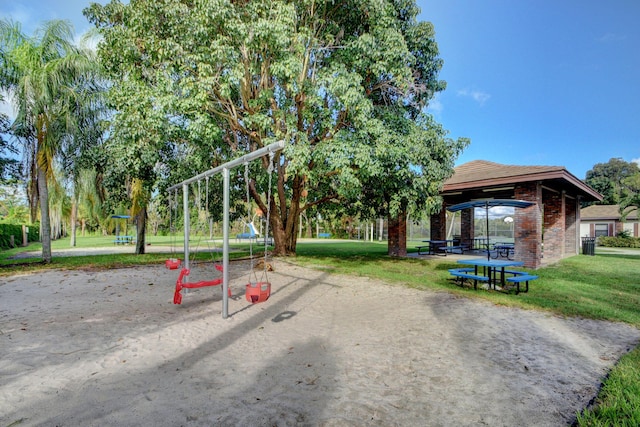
177 296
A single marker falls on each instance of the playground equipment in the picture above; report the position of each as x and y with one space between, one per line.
258 290
182 282
173 263
225 170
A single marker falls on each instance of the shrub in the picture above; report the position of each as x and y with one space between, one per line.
624 234
619 242
8 230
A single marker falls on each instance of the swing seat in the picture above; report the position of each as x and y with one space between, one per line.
258 292
177 296
173 263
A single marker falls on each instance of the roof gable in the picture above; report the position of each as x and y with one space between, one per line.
604 212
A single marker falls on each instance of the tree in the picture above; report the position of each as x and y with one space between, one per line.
609 179
325 76
41 73
412 164
631 200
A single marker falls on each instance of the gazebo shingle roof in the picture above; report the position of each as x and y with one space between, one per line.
481 170
485 174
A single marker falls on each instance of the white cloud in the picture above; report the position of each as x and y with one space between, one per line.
636 161
435 105
611 37
478 96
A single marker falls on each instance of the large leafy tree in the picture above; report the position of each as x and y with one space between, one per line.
609 179
631 200
41 74
342 82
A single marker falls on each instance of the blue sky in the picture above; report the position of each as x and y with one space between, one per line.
541 82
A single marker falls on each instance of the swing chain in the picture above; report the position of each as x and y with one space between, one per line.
246 180
268 219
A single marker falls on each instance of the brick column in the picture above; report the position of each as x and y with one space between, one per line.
572 224
439 224
528 225
554 226
467 231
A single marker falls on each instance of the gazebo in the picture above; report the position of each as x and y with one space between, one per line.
553 219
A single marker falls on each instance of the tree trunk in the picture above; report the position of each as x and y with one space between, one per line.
141 225
32 190
74 219
285 233
283 219
397 243
45 223
309 227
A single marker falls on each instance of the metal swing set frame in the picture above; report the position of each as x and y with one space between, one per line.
224 169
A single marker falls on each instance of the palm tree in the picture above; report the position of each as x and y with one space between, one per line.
42 75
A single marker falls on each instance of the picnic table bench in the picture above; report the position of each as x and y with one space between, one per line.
442 247
454 249
517 279
462 274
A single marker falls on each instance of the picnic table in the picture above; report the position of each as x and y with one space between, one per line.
493 271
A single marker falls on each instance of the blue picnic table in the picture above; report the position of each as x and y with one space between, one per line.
491 268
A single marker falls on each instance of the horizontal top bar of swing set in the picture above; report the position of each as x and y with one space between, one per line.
271 148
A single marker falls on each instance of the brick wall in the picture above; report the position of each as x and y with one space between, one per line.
528 225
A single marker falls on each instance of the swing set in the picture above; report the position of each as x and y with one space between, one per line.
174 263
256 291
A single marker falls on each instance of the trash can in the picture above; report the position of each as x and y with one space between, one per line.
588 246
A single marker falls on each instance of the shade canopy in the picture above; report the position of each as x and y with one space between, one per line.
490 203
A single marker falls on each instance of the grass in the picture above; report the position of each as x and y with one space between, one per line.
605 287
8 265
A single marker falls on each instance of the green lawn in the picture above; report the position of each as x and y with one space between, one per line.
605 286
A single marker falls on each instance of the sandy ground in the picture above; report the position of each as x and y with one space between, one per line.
109 348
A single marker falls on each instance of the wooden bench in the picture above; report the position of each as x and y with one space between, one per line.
521 278
467 273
